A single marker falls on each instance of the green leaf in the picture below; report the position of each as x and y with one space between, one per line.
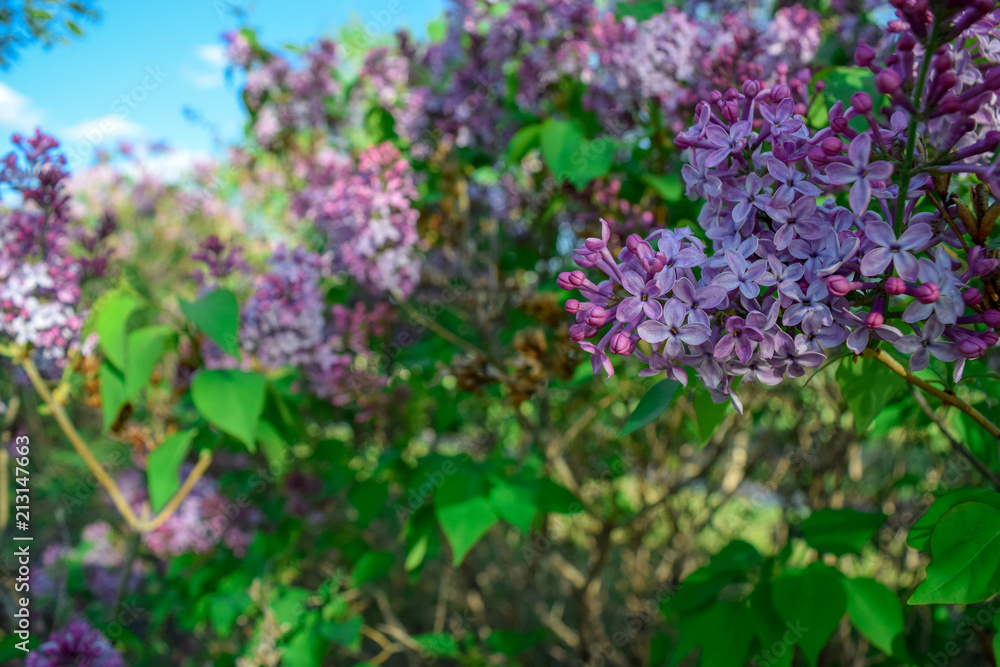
145 346
919 536
867 385
812 602
641 10
485 176
875 611
523 141
512 643
217 315
345 633
112 393
708 413
556 499
232 401
371 566
438 644
591 160
560 140
965 560
273 445
368 498
768 625
515 501
164 465
463 512
111 327
840 532
840 84
651 405
668 186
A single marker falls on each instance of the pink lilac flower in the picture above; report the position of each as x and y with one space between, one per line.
204 519
368 216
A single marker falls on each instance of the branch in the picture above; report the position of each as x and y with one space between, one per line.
204 459
955 444
944 396
79 445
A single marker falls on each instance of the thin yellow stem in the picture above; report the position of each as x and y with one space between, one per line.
79 445
203 461
944 396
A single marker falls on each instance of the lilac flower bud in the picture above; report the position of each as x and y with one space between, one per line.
838 285
730 112
715 97
563 281
895 286
991 81
572 306
887 81
972 347
992 318
874 320
577 278
941 63
990 338
972 296
862 102
597 316
577 332
927 293
780 92
832 146
751 88
949 104
945 81
622 343
864 55
907 42
817 156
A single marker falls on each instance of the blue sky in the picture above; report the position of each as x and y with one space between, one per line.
133 73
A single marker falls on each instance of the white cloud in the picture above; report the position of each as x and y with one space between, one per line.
97 131
213 54
209 74
171 165
17 111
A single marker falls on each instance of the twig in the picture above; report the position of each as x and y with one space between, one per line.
139 525
132 550
943 396
79 445
204 459
956 444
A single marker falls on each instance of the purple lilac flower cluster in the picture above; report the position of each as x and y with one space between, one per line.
282 98
344 369
39 277
386 78
283 318
797 267
672 60
204 519
77 644
541 39
367 214
286 322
